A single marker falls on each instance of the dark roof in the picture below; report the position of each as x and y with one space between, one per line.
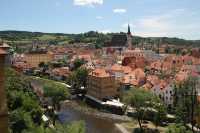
118 40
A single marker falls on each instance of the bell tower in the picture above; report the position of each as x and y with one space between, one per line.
129 38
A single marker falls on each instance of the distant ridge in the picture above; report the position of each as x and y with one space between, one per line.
92 35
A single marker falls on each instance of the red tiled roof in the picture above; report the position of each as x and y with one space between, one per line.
21 65
181 76
119 68
99 72
154 80
63 71
135 77
156 65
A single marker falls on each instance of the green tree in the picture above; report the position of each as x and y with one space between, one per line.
186 101
160 114
141 100
20 120
41 64
78 63
25 111
78 78
177 128
81 76
56 92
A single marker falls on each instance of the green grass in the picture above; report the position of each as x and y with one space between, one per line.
46 81
47 37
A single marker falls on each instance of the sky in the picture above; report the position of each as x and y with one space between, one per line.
147 18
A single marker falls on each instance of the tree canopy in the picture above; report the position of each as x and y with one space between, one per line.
142 101
25 112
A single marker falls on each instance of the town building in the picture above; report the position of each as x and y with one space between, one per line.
6 48
119 43
136 78
60 73
165 91
101 85
34 58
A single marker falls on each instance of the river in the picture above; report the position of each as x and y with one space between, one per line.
93 124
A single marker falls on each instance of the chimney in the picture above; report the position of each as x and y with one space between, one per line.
3 101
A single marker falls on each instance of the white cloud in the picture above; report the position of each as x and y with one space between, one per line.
88 2
99 17
119 10
171 24
156 22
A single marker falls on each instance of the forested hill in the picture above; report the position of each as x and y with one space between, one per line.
88 37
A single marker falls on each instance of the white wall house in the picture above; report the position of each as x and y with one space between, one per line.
165 92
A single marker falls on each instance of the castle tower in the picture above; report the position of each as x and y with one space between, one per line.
3 101
3 105
129 38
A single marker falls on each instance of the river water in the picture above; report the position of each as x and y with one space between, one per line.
93 123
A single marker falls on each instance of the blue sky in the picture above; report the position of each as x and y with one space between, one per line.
172 18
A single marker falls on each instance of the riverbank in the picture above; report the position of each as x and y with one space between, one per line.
94 112
69 108
129 127
121 128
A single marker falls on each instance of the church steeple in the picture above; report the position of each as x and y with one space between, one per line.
129 38
129 30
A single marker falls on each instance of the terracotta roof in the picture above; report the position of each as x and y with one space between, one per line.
135 77
116 67
154 80
138 72
2 52
181 76
22 65
156 65
63 71
166 66
85 56
99 72
196 61
126 69
119 68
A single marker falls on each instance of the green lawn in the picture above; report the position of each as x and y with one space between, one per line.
47 37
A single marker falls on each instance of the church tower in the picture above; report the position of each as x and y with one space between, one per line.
129 38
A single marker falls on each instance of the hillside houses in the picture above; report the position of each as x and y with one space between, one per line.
111 73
